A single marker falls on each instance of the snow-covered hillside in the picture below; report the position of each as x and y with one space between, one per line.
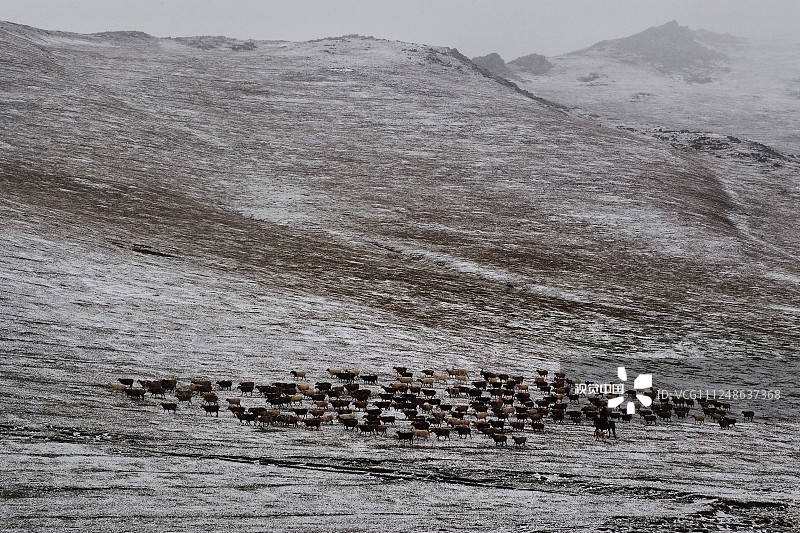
676 78
211 208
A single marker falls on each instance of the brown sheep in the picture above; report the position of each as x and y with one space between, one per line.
748 415
169 406
520 440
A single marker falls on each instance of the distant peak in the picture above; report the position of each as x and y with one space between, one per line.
669 48
493 63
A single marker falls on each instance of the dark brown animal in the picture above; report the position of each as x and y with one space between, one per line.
212 408
748 415
406 436
499 440
136 394
169 406
441 433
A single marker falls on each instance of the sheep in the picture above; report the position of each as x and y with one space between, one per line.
520 440
169 406
117 387
748 415
246 387
128 382
298 374
225 384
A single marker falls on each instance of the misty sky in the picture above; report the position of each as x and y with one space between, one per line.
511 28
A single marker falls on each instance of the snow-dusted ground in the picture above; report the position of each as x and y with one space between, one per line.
754 94
181 209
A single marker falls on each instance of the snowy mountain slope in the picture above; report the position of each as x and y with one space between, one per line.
676 78
211 208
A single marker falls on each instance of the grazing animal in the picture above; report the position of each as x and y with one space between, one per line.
726 423
369 378
212 408
117 387
169 406
406 436
538 427
225 384
463 431
748 415
599 434
366 428
210 397
441 433
184 395
420 434
246 387
313 423
136 394
299 374
520 440
699 419
499 440
234 401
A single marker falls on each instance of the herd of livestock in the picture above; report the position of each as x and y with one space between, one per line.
422 405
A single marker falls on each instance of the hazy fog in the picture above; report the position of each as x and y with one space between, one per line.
511 28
